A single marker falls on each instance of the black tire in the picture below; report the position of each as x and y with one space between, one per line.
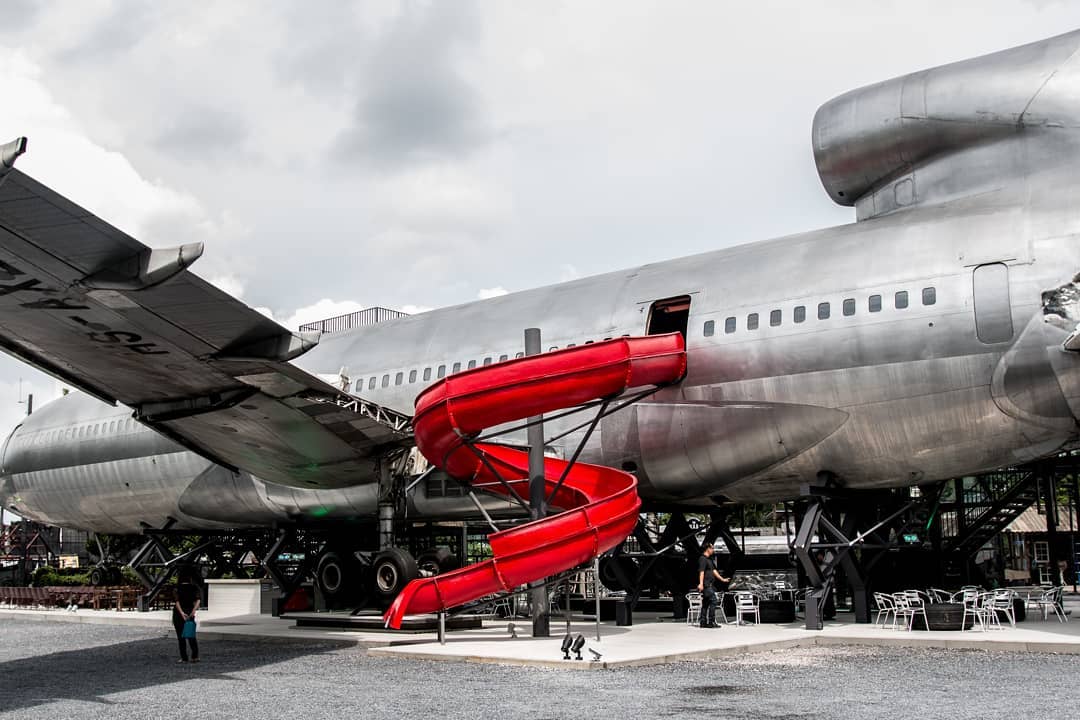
437 560
391 571
99 576
614 569
332 574
116 576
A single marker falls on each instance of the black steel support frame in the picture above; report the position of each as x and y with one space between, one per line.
155 564
677 532
838 514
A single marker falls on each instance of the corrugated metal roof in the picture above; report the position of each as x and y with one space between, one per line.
1032 521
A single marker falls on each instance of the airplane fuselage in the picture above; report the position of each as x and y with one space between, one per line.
924 342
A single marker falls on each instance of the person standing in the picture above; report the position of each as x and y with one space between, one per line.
707 574
188 598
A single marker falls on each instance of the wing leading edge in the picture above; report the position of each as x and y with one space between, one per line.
91 305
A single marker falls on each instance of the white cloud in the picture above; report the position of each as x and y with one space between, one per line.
486 293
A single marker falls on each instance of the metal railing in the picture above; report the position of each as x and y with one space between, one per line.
360 318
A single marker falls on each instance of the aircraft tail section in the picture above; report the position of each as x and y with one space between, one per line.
600 504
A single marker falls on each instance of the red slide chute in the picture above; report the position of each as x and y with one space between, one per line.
600 504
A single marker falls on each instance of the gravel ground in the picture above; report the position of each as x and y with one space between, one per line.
60 670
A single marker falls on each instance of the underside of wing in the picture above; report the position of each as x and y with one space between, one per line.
89 304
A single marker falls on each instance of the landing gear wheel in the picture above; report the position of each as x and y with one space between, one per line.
99 576
116 576
613 571
392 570
331 574
437 560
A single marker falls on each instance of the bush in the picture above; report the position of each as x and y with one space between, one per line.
46 576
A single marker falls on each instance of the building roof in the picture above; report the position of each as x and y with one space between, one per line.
1032 521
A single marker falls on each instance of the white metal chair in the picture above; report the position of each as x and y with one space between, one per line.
747 603
886 606
940 596
1001 601
973 608
693 607
917 604
1051 600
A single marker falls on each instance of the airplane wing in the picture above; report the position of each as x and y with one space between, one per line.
88 304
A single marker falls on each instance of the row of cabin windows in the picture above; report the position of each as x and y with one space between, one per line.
824 310
82 431
440 372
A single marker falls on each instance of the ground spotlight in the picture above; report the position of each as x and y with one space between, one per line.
595 655
579 642
566 643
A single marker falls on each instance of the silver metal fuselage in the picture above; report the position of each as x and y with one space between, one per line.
982 236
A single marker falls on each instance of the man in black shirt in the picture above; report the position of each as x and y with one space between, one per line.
707 573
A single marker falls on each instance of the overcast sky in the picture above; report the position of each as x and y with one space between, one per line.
336 155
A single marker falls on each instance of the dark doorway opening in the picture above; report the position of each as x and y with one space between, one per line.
669 315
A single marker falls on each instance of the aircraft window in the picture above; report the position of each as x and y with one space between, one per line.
487 361
875 303
729 325
553 347
589 342
775 317
929 296
112 426
427 374
472 364
371 383
800 313
823 311
398 378
901 300
570 345
504 358
519 355
386 381
441 372
412 376
456 368
710 328
751 321
849 306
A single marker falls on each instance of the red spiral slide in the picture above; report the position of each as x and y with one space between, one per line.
600 504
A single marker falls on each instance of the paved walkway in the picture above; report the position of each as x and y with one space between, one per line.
650 641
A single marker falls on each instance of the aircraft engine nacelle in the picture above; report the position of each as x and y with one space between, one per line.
948 131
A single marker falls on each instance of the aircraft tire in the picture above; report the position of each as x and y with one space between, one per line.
99 576
391 571
610 575
333 574
437 560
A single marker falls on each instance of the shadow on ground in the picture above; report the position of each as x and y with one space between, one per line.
90 674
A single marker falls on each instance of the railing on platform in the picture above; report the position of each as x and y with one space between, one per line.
360 318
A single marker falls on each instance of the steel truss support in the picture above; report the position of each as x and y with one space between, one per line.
844 530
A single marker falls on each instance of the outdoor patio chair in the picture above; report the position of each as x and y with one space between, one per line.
917 601
1051 600
1001 601
940 596
886 606
747 603
693 607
